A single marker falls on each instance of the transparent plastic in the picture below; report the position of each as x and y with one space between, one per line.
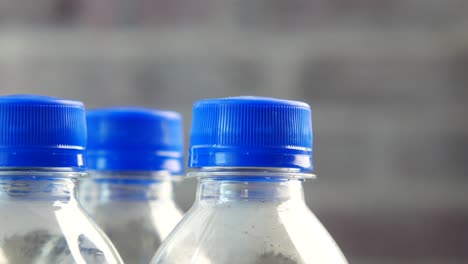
255 219
136 210
41 221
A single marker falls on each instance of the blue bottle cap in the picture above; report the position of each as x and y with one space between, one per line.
251 131
135 139
41 131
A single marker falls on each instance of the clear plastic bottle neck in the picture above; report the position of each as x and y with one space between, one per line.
250 184
121 185
250 172
38 184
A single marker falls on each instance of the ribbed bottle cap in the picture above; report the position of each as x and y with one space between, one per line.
251 132
135 139
40 131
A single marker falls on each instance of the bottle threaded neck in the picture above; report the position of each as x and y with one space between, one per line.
241 189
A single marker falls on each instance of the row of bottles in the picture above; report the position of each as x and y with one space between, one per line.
250 154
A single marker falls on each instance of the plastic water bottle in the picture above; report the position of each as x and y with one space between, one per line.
251 155
42 144
133 155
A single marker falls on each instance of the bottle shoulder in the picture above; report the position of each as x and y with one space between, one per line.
250 233
41 232
136 228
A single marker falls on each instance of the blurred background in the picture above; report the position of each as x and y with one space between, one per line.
387 80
